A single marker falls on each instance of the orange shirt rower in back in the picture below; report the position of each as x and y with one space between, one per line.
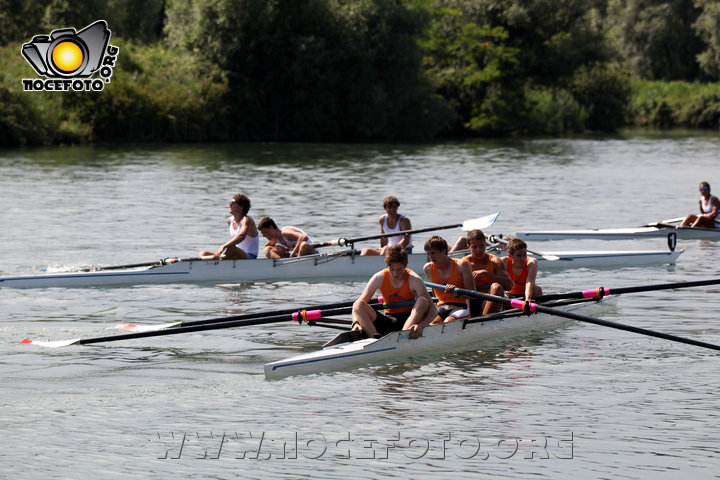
451 272
488 272
396 283
522 270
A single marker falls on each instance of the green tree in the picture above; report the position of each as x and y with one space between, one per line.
656 38
707 27
20 20
317 69
474 70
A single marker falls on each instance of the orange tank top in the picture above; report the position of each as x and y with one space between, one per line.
519 281
392 294
482 282
455 278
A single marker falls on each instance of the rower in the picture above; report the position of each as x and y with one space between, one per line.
286 241
709 210
244 238
397 283
451 272
488 272
392 222
522 270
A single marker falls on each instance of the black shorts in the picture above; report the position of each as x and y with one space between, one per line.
457 310
476 307
390 322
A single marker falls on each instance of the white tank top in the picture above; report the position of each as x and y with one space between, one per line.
290 244
394 240
251 245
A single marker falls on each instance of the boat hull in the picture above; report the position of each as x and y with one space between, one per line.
311 268
683 233
455 336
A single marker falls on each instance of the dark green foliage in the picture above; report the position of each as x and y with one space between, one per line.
656 37
675 104
316 69
335 70
604 92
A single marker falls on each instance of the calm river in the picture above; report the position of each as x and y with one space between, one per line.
582 401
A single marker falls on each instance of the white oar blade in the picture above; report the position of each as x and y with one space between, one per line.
131 327
480 223
53 344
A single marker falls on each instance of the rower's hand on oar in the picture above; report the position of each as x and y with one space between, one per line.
450 287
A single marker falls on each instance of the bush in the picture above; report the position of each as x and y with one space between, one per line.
554 112
675 104
603 92
156 94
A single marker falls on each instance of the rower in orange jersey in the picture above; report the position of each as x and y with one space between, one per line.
451 272
522 270
488 273
396 283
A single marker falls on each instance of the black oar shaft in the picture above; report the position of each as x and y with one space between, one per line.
218 323
619 291
210 326
575 316
622 326
349 241
157 263
287 311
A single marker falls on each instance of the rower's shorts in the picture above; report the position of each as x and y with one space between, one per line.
456 310
390 322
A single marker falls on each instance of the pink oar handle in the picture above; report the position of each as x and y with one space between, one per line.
598 292
306 315
519 304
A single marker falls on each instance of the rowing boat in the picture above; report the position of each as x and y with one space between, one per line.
649 231
458 336
345 264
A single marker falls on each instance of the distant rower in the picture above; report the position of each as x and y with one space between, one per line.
709 210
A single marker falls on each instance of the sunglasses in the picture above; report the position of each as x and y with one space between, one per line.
704 189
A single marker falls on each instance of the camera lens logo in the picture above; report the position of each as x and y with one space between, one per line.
66 54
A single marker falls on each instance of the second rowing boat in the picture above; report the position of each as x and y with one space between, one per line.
310 268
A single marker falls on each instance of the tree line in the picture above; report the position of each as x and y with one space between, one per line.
354 70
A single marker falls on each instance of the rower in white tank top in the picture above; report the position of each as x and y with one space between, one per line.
251 245
394 240
290 244
707 207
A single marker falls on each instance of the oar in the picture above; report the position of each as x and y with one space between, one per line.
132 327
665 223
158 263
303 315
479 223
553 258
531 307
602 291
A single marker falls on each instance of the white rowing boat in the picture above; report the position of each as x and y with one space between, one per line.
455 336
310 268
649 231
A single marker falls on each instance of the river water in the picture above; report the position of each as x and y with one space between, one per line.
582 401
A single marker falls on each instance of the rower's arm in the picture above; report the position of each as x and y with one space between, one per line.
501 275
372 286
468 282
531 277
405 225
